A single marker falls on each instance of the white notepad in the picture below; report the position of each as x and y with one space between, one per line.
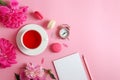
70 68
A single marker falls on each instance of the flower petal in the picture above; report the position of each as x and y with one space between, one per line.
14 4
4 64
4 10
12 61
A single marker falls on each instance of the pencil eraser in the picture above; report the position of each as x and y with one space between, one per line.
55 47
51 24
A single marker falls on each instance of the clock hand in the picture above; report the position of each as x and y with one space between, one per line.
64 33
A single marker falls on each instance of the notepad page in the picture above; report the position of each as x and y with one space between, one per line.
70 68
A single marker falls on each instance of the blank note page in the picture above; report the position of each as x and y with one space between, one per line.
70 68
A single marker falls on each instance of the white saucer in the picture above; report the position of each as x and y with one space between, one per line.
40 48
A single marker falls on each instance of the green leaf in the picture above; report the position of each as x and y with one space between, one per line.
52 76
2 3
17 76
48 71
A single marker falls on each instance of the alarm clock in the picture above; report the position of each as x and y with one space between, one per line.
64 31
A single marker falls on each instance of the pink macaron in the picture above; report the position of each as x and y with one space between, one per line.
38 15
55 47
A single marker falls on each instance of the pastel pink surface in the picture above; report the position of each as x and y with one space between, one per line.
95 32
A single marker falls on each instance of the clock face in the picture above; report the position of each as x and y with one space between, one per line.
64 33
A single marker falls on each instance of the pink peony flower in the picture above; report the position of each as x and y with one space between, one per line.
14 19
7 53
32 72
13 16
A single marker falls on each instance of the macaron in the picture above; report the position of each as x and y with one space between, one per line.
51 24
38 15
55 47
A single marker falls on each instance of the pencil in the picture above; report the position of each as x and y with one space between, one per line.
89 75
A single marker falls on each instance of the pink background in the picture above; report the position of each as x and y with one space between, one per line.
95 32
